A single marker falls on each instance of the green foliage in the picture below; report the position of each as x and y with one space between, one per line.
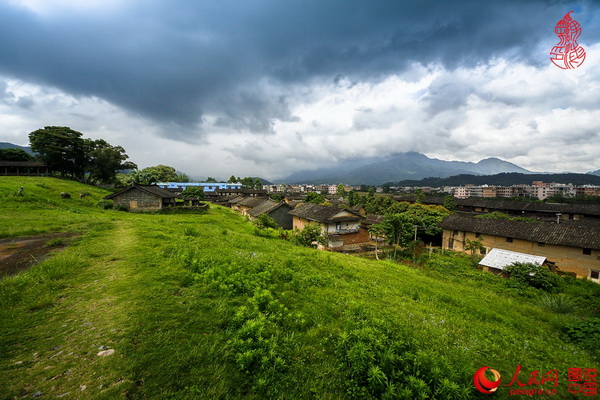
265 221
105 204
558 303
353 198
104 160
221 313
419 196
309 236
450 202
193 191
314 198
86 160
501 216
62 148
162 173
585 333
15 154
539 277
341 190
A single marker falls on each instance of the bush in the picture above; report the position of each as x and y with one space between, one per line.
539 277
265 221
105 204
558 303
309 236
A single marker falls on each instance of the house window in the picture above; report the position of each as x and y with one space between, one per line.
594 274
541 244
509 239
587 252
338 227
479 236
483 251
450 244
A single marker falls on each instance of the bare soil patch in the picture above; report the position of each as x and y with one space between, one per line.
18 254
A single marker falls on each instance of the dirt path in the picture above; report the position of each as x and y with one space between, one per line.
17 254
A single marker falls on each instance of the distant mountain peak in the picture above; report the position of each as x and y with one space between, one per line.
400 166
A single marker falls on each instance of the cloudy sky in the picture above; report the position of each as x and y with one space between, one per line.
268 87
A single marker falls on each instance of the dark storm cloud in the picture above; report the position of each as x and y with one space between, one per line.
179 60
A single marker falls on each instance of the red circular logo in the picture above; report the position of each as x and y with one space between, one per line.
483 384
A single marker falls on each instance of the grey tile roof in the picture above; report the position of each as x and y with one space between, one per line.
152 189
320 213
251 201
266 207
567 233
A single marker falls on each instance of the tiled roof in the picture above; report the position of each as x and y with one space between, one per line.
498 258
567 233
266 207
320 213
23 164
251 201
152 189
372 219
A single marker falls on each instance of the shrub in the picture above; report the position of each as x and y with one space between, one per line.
105 204
309 236
265 221
536 276
558 303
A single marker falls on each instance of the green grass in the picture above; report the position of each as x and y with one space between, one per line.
197 306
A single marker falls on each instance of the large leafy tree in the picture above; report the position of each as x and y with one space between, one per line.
15 155
62 148
163 173
104 160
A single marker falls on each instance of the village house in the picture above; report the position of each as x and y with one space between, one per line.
23 168
143 198
341 226
246 204
279 211
571 246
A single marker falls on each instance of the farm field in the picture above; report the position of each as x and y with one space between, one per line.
196 306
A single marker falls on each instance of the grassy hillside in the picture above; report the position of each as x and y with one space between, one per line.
197 306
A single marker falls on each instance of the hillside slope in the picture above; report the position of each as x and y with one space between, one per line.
197 306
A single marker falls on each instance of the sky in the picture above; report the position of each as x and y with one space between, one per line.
269 87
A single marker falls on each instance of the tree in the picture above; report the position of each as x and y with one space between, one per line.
450 202
265 221
15 154
210 179
427 217
194 191
419 196
386 188
104 160
309 236
163 173
62 148
232 179
533 275
378 231
181 177
314 198
257 184
398 230
142 177
341 190
476 247
353 198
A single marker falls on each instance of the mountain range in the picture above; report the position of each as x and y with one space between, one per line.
398 167
6 145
